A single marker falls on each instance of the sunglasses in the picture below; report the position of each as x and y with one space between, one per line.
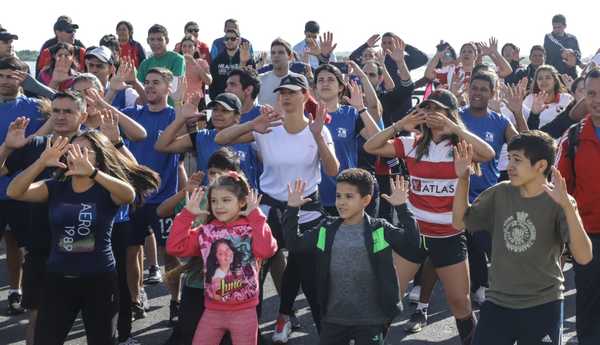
193 30
231 38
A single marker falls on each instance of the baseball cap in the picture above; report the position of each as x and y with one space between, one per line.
7 36
101 53
65 23
228 100
294 82
442 98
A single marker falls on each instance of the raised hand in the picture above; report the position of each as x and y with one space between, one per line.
61 70
318 120
398 47
326 43
93 98
539 102
495 102
193 200
356 96
54 152
463 159
267 119
296 192
177 95
109 125
15 136
558 189
440 120
189 109
252 202
244 53
312 47
514 97
372 41
119 80
20 76
399 191
194 181
411 121
569 57
78 161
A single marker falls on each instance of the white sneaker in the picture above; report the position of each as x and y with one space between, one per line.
283 329
130 341
479 295
144 300
415 294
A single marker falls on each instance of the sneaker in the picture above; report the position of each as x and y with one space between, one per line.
14 304
283 329
417 321
130 341
144 300
154 276
137 311
479 295
295 322
415 294
173 313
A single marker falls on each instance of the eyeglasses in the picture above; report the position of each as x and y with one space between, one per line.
231 38
193 30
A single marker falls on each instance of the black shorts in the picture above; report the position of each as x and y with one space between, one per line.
442 251
144 220
34 273
14 214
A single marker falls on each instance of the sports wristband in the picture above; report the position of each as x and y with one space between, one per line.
362 110
93 175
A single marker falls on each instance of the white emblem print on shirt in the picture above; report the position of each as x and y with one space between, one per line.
519 233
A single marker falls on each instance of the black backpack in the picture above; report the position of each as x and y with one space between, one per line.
573 137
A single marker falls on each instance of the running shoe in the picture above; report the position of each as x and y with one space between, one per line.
137 311
14 304
415 294
283 329
417 321
154 276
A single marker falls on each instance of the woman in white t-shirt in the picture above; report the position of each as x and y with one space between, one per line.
548 97
291 146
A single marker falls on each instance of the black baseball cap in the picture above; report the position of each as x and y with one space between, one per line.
7 36
65 23
294 82
442 98
228 100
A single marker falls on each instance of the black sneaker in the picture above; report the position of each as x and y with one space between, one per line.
154 276
14 304
173 313
137 311
417 321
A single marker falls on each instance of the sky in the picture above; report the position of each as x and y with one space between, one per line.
419 23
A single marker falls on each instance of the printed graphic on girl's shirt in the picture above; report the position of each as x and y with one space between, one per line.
78 237
230 269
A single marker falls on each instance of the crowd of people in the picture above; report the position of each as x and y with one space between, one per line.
347 178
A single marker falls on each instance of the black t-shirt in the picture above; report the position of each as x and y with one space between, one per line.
36 236
81 225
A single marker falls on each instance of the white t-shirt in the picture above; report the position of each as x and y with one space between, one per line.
269 82
548 114
285 158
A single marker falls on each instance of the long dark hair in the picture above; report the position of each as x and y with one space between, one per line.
338 75
56 48
112 162
559 87
233 182
212 263
190 38
129 28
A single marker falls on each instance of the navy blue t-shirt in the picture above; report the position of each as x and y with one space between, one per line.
205 146
81 225
345 127
251 115
9 111
165 164
491 128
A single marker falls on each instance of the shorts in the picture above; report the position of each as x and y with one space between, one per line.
15 215
144 220
540 325
442 251
32 283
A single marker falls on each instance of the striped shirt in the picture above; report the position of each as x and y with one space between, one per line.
432 185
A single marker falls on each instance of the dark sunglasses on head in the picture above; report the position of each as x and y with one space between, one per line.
231 38
193 30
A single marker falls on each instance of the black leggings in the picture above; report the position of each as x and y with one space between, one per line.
120 238
95 295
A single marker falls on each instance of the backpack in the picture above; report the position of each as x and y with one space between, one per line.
573 137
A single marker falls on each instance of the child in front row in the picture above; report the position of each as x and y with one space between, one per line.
234 240
357 287
530 221
221 162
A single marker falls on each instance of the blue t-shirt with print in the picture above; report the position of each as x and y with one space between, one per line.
491 128
165 164
345 127
81 225
205 146
9 111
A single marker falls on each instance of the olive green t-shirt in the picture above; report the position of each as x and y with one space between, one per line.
528 237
